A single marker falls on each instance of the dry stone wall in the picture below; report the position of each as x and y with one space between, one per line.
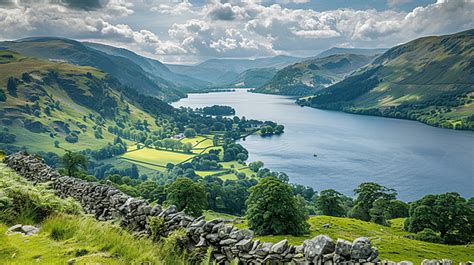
227 242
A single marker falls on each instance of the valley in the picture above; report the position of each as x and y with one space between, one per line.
162 151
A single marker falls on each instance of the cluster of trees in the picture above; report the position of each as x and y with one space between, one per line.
206 161
271 128
173 145
444 218
108 151
217 110
234 151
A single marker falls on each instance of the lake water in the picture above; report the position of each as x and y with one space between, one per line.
409 156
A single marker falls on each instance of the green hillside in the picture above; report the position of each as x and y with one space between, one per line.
125 70
429 79
308 77
49 101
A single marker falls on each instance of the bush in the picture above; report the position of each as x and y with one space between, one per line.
428 235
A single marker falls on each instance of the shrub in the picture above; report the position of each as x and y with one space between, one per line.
428 235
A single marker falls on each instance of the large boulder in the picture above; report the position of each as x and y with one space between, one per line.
279 247
361 248
318 246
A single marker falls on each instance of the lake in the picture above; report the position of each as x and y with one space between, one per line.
411 157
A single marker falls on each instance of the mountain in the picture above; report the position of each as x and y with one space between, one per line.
221 72
43 102
252 78
308 77
125 70
429 79
337 50
153 67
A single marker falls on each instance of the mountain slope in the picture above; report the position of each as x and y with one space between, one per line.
337 50
310 76
221 72
155 68
74 105
122 68
430 79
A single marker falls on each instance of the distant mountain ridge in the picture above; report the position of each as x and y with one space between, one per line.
225 71
430 79
360 51
153 67
309 76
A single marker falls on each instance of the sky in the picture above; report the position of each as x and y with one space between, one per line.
186 31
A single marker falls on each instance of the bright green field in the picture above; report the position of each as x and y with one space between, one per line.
156 157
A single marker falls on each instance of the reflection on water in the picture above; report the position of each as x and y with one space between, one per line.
411 157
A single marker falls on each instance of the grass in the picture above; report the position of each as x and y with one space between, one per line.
66 233
153 157
211 215
390 241
66 237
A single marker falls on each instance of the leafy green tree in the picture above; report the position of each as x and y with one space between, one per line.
367 193
3 96
330 202
398 209
187 196
12 87
255 166
187 148
449 214
152 191
190 133
379 211
74 163
272 209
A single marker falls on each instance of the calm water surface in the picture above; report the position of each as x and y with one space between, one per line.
411 157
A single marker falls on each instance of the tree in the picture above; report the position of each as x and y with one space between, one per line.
273 209
188 196
255 166
152 191
367 193
448 214
74 163
398 209
189 133
379 211
187 148
3 96
330 202
11 87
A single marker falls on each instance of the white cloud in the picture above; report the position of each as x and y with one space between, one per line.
230 28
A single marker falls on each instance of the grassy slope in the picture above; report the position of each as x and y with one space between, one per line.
420 71
71 112
390 241
63 237
307 77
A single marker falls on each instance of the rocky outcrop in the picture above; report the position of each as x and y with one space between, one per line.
227 242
